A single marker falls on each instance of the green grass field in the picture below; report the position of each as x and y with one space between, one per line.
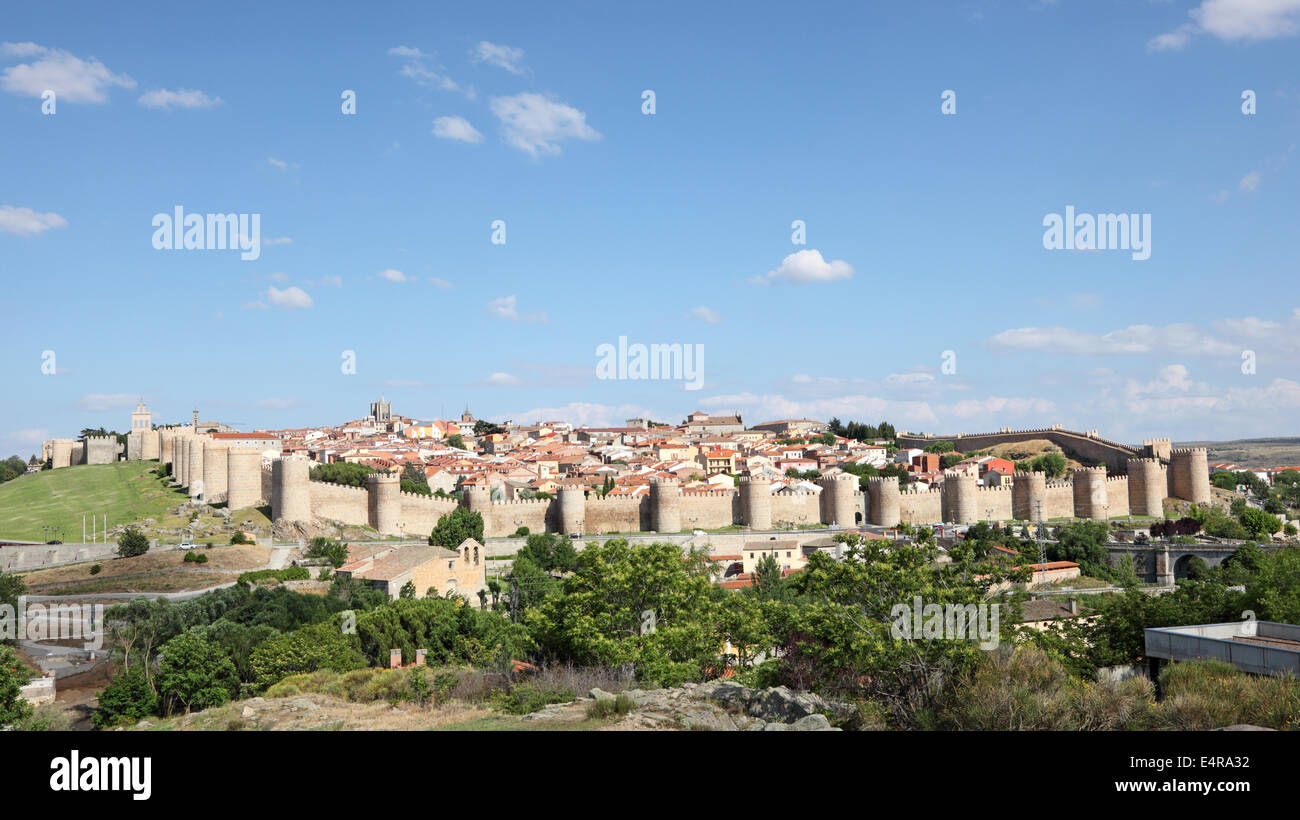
125 491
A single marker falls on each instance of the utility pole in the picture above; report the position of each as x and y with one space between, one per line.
1042 549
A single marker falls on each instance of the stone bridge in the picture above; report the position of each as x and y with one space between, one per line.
1165 563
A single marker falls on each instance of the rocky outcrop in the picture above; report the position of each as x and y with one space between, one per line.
721 706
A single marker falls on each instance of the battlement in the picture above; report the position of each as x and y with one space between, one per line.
101 439
346 487
1001 488
708 493
1149 442
383 478
1189 451
1090 470
744 479
1111 478
883 481
1151 461
615 500
523 502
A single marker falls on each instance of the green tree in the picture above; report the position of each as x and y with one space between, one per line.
407 591
128 697
132 542
640 605
195 673
1274 592
343 472
453 528
1054 464
315 646
11 588
336 552
456 440
13 676
1258 524
769 582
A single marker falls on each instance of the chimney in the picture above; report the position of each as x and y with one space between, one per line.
1073 603
394 659
419 656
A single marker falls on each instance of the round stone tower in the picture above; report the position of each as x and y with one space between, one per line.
166 456
290 489
1090 500
959 497
573 509
665 505
1189 472
194 467
1147 484
214 470
475 499
885 500
384 499
182 457
61 453
756 502
243 477
1029 496
839 494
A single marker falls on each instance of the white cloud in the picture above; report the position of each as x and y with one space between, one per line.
258 305
505 57
279 277
419 67
456 128
278 163
501 380
706 315
440 283
26 222
536 125
291 298
69 77
1176 338
394 275
806 266
107 401
506 307
181 98
1249 182
1234 21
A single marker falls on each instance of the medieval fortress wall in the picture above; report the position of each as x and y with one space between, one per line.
216 470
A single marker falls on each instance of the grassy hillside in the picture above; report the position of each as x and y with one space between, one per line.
125 491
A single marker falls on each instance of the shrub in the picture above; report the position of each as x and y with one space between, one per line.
609 707
238 538
521 532
200 559
96 569
127 698
275 575
132 542
190 557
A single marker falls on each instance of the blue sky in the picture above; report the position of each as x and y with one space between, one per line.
924 230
